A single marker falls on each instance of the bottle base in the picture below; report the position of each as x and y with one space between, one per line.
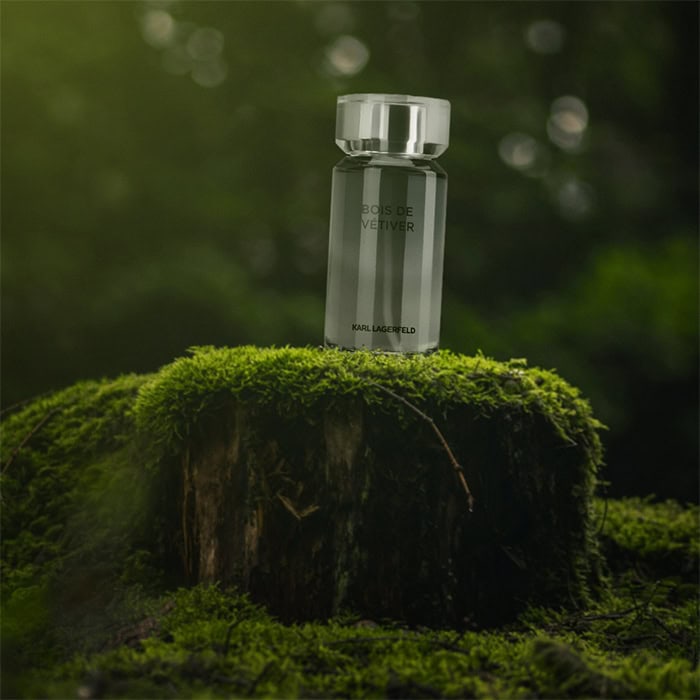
379 351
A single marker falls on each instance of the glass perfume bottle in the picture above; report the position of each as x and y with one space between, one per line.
387 224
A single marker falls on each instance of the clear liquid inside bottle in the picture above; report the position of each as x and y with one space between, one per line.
385 261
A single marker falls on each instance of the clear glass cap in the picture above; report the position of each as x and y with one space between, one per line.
402 125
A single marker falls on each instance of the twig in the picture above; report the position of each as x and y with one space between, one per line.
299 515
29 436
673 635
458 469
639 608
288 505
609 616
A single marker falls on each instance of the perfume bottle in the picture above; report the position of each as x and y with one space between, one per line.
387 224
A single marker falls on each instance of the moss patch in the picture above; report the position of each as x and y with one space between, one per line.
662 536
214 643
65 462
294 380
75 508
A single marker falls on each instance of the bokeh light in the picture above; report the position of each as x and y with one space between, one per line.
545 36
205 44
575 199
346 56
187 49
567 123
158 28
523 153
209 73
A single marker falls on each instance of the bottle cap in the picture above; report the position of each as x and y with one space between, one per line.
396 124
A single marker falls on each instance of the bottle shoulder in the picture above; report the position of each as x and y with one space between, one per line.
351 164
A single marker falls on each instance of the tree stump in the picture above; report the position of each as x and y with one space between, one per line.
306 478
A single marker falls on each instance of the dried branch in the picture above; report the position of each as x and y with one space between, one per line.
292 509
456 466
289 506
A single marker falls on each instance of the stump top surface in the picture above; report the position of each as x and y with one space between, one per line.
164 406
303 380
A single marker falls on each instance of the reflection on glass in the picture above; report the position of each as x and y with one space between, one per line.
545 36
346 56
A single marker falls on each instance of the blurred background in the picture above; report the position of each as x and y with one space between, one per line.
166 181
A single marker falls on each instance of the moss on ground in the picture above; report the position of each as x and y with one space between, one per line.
89 607
212 643
68 490
664 538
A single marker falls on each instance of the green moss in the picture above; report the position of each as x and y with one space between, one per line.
184 393
72 521
75 498
214 644
662 536
87 602
56 452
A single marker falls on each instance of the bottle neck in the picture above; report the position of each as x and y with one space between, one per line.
390 157
402 149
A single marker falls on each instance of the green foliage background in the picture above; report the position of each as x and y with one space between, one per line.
146 211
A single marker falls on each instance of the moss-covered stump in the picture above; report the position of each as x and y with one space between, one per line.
301 477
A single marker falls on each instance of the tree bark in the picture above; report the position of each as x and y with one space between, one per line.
355 509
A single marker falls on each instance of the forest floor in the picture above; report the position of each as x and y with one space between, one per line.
638 638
